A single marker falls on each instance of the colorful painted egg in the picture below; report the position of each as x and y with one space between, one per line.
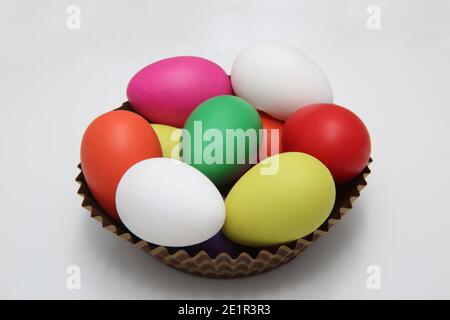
271 143
111 144
279 79
281 199
169 203
332 134
221 138
168 90
169 138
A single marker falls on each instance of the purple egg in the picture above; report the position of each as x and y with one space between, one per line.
213 246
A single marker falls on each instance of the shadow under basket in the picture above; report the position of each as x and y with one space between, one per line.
245 264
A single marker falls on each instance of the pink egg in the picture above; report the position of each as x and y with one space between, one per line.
168 90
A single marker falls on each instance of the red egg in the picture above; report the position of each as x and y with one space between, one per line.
272 131
111 144
332 134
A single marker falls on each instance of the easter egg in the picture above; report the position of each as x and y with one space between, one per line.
221 137
169 203
332 134
278 79
168 90
271 140
213 246
169 138
111 144
281 199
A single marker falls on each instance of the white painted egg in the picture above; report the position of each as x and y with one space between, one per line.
279 79
169 203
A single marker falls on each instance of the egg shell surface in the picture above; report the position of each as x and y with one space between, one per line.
271 143
282 204
169 203
207 145
213 247
334 135
111 144
279 79
169 138
168 90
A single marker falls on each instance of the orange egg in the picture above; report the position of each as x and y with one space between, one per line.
111 144
270 125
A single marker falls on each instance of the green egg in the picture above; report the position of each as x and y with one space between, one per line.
221 138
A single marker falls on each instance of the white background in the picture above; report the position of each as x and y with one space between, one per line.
54 81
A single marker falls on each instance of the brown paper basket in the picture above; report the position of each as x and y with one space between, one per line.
224 266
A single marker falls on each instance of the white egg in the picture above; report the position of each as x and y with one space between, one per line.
167 202
279 79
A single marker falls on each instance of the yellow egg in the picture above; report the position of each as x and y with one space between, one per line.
281 199
169 138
